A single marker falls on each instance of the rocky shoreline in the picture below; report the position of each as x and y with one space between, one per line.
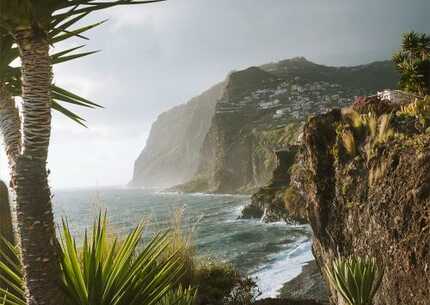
280 301
308 285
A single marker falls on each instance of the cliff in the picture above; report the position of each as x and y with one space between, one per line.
368 192
280 199
262 109
224 141
172 152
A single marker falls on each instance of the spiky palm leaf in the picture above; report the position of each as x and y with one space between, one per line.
357 279
48 16
11 76
53 18
107 271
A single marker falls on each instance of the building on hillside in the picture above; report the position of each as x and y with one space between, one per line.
396 96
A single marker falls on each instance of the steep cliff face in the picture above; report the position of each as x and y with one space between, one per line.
368 193
224 140
172 152
262 110
279 200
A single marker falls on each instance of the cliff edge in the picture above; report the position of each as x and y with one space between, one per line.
368 192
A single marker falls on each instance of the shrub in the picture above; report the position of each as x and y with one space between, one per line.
356 279
216 282
182 245
219 283
179 296
419 110
294 203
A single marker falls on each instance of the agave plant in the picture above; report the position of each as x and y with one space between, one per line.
107 271
356 279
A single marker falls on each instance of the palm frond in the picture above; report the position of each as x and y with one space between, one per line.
88 6
108 271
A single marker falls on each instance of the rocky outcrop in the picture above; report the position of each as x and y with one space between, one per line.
262 110
172 152
368 193
279 200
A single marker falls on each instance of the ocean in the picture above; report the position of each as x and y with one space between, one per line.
271 253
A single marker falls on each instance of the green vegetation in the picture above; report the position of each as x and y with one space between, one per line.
108 270
220 283
33 27
356 279
369 129
215 282
179 296
294 203
413 62
418 110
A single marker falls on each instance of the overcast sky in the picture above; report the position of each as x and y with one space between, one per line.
159 55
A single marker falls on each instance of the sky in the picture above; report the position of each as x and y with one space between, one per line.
156 56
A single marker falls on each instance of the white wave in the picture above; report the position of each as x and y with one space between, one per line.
217 195
164 192
286 266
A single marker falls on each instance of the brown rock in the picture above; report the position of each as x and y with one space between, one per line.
377 206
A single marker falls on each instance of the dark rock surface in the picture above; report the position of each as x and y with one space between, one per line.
278 201
308 285
262 110
369 194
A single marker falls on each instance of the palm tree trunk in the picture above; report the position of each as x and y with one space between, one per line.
10 128
33 197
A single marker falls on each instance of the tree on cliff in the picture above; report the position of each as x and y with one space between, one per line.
32 24
413 62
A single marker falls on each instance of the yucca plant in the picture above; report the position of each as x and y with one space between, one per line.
356 279
107 271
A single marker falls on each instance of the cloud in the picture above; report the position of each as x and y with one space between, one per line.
156 56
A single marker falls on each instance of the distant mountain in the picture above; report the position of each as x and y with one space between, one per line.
172 152
228 145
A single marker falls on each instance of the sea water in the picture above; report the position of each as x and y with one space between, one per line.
271 253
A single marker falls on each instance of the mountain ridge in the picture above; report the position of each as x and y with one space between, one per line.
255 111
